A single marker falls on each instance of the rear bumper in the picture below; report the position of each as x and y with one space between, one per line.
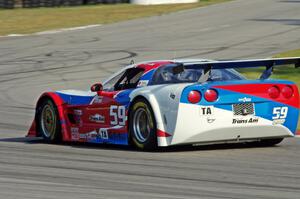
221 126
236 134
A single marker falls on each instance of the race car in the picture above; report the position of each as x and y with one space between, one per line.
175 102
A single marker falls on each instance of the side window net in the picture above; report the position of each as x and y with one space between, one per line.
109 86
129 79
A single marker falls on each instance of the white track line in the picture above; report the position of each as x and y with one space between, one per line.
54 31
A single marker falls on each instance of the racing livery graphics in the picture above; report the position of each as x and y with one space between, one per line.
163 103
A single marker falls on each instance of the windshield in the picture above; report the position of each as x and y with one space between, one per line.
182 74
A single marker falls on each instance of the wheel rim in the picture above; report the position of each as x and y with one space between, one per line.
141 125
48 121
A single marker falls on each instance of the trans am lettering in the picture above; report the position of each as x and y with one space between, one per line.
245 121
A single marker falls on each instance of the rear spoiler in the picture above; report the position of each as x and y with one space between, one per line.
268 63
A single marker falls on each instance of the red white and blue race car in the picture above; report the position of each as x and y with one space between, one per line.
163 103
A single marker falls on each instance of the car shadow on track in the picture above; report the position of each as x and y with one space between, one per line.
212 147
181 148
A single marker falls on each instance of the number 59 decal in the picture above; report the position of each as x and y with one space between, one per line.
280 112
118 114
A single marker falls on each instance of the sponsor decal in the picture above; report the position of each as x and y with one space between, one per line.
278 121
210 120
245 99
103 133
97 118
77 116
143 83
245 121
77 112
75 133
206 110
98 99
92 136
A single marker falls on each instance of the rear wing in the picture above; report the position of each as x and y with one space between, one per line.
268 63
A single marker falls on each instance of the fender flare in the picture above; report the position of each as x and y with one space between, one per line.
60 104
151 99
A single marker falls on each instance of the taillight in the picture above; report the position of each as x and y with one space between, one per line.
194 97
211 95
274 92
287 92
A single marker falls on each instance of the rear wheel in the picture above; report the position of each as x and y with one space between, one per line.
142 126
48 121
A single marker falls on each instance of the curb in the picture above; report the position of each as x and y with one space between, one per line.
48 32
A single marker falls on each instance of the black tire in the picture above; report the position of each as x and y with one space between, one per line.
48 122
267 142
142 126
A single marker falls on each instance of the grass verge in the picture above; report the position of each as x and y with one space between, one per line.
24 21
284 72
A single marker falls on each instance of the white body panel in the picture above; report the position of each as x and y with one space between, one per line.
164 107
192 127
186 125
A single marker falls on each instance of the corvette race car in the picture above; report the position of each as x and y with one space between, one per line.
163 103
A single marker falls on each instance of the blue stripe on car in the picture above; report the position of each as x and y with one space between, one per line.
75 99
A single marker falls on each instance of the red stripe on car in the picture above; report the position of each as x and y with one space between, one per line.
161 133
261 90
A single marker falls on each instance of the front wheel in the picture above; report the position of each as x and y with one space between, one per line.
142 126
48 121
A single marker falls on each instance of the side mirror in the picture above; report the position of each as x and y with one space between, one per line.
97 87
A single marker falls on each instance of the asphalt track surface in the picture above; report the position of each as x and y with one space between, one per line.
32 64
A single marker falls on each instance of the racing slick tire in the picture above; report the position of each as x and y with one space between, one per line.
48 122
142 126
267 142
